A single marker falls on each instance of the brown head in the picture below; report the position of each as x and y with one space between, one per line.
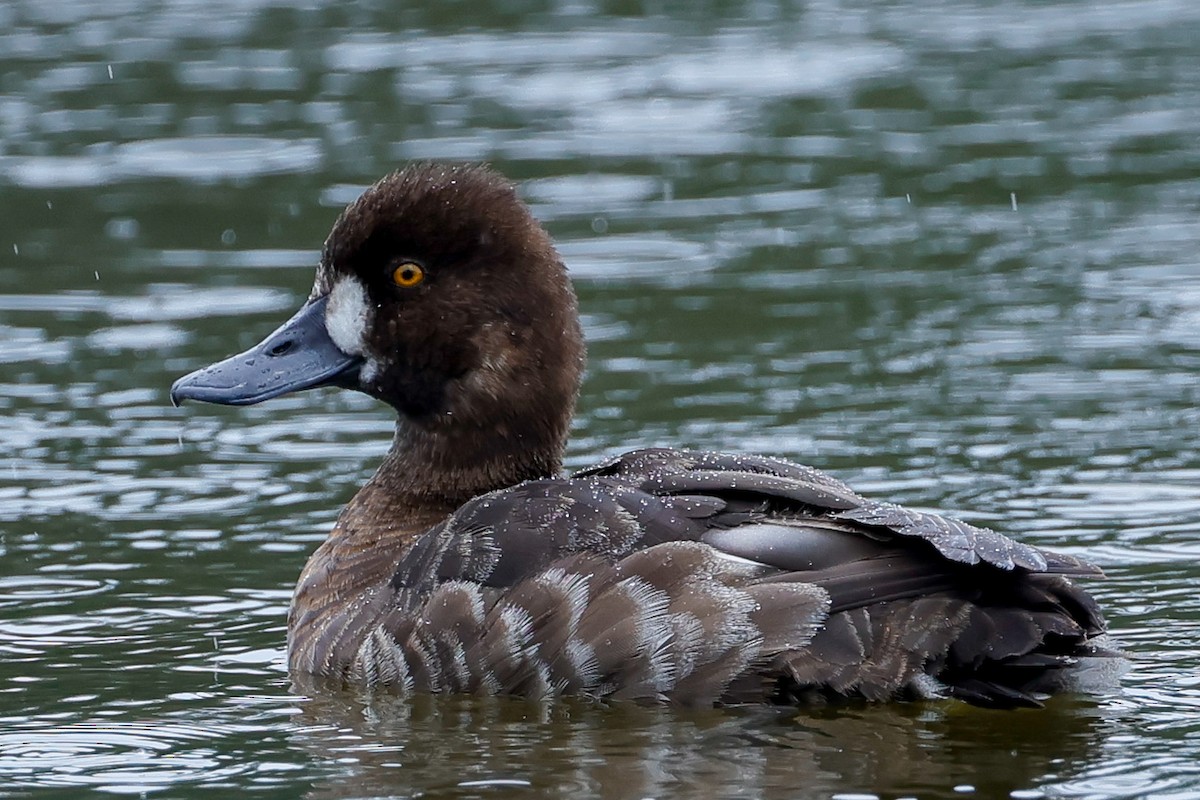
439 294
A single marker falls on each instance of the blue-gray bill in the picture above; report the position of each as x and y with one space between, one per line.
298 355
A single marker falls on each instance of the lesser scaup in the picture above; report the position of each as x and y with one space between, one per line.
468 564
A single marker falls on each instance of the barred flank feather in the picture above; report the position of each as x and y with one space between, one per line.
675 621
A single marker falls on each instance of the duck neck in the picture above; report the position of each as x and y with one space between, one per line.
426 475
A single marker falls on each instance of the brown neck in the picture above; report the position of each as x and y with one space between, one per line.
426 475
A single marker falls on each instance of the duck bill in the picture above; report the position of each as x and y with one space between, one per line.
298 355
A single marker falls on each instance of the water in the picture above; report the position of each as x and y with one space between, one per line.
945 250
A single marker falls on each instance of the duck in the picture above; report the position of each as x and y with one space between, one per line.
469 563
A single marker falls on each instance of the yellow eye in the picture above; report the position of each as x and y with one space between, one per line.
408 275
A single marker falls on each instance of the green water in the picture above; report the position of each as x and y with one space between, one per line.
945 250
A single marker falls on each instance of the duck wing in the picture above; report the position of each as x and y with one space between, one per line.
705 577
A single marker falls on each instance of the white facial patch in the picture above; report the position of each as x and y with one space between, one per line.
348 316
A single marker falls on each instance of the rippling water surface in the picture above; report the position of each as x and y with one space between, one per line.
946 250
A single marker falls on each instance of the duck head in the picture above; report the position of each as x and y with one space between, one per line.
439 294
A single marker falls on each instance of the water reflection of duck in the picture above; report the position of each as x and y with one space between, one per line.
466 565
478 747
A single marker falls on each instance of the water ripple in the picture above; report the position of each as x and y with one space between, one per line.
200 158
118 757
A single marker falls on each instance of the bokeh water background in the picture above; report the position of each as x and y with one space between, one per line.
944 249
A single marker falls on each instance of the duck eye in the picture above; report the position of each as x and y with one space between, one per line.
408 274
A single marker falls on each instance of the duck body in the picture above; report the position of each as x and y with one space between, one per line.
468 564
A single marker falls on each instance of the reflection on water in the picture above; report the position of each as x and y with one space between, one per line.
461 747
945 250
